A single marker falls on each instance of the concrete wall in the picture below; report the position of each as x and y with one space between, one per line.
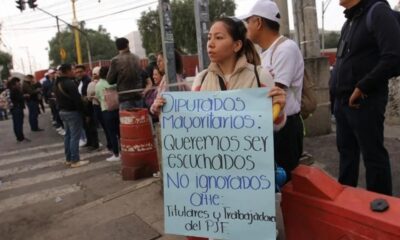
320 122
393 107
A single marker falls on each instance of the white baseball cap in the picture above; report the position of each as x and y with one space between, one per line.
265 9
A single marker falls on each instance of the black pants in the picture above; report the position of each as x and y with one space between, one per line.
361 130
111 119
98 117
90 128
33 108
288 144
18 123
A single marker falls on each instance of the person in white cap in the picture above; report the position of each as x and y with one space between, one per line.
283 59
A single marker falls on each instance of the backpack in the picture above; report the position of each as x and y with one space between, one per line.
308 97
369 14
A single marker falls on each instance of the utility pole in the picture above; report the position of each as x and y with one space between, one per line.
325 5
202 19
168 43
283 10
305 15
76 33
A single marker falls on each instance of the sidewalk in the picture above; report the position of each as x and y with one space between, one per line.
137 212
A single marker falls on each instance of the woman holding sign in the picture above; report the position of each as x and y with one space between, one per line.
234 65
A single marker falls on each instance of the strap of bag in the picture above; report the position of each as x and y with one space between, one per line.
281 40
369 15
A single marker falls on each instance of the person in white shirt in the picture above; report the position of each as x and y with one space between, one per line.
283 59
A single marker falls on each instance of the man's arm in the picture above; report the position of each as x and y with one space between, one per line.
112 72
386 30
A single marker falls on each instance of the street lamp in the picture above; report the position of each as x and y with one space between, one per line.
325 5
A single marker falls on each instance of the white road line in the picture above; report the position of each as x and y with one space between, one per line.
50 163
36 197
23 182
31 149
30 157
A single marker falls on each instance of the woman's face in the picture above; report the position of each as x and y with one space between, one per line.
160 62
156 76
221 46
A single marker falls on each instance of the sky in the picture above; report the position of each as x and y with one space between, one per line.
25 35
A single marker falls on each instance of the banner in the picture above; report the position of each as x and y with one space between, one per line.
218 164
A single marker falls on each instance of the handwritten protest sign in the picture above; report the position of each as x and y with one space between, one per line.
218 164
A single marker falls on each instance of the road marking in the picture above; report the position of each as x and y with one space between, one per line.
30 157
36 197
40 165
23 182
31 149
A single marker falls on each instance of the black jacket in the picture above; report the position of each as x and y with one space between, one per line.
67 95
369 58
125 71
17 98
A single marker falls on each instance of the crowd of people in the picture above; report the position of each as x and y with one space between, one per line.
79 104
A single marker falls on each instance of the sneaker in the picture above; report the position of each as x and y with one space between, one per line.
62 132
82 143
79 164
67 163
59 129
37 130
113 158
157 174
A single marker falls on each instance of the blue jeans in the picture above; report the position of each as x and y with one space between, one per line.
73 125
125 105
33 108
111 119
18 122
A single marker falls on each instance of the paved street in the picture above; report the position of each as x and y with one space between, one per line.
42 199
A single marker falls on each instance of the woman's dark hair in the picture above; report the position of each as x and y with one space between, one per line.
12 82
237 30
103 72
178 61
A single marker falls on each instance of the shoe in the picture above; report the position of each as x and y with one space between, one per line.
79 164
38 130
113 158
92 149
59 129
62 132
82 143
157 174
67 163
306 159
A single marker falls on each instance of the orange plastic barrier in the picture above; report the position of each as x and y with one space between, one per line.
138 150
315 206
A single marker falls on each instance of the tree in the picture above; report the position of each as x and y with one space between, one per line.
101 45
5 61
183 23
332 39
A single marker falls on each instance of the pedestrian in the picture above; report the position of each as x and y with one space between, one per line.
39 90
17 108
180 79
125 71
235 61
151 94
31 96
283 59
71 113
111 117
368 56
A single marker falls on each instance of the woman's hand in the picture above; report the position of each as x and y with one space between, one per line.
278 96
157 105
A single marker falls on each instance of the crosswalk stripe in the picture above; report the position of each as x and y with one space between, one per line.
31 149
30 157
22 182
50 163
36 197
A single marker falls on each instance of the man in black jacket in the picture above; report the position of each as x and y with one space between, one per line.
367 57
125 71
71 113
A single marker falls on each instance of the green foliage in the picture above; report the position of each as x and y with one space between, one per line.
331 39
5 61
183 23
102 47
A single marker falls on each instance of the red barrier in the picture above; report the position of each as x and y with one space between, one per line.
315 206
138 151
